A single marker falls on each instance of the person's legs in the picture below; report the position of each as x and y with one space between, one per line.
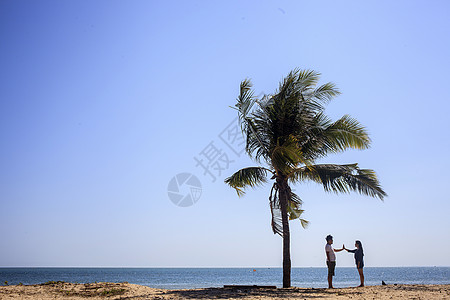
331 266
361 276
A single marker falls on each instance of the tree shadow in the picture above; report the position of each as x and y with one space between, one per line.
236 293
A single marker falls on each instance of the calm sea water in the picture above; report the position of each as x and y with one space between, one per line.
184 278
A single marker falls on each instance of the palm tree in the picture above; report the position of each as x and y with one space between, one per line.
286 133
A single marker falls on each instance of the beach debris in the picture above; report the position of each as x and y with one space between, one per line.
383 283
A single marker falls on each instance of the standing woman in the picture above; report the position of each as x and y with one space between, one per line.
359 254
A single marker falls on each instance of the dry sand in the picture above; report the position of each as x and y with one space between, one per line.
70 291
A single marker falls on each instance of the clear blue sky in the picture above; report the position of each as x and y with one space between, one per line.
103 102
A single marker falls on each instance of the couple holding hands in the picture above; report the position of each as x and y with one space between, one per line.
331 259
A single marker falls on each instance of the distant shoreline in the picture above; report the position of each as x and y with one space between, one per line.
105 290
193 278
250 267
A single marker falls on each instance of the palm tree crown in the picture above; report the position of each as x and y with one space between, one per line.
287 132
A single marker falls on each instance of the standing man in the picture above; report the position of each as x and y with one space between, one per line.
331 259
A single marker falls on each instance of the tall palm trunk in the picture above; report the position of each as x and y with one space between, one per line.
284 199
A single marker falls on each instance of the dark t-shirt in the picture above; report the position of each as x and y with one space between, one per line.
358 257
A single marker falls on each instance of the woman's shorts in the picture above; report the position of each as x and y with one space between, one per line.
361 265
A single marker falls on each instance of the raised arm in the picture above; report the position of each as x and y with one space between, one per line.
339 250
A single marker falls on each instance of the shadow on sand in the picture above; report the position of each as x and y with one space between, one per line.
226 293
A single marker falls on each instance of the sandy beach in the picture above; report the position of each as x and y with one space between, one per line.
72 291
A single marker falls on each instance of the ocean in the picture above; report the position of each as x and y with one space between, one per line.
188 278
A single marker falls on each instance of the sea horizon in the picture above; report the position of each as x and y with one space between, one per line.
205 277
216 267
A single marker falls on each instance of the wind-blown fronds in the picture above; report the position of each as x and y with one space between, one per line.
325 136
249 127
286 157
346 133
293 209
275 211
246 98
307 78
341 178
324 93
252 176
258 139
288 131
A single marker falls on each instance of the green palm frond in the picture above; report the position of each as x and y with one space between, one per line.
326 137
286 157
325 93
304 223
246 98
294 209
341 178
291 94
252 176
258 140
245 106
347 133
307 79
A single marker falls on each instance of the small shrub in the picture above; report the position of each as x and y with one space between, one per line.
113 292
53 282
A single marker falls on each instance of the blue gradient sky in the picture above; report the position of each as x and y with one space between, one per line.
103 102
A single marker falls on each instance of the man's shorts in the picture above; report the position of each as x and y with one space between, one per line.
331 266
